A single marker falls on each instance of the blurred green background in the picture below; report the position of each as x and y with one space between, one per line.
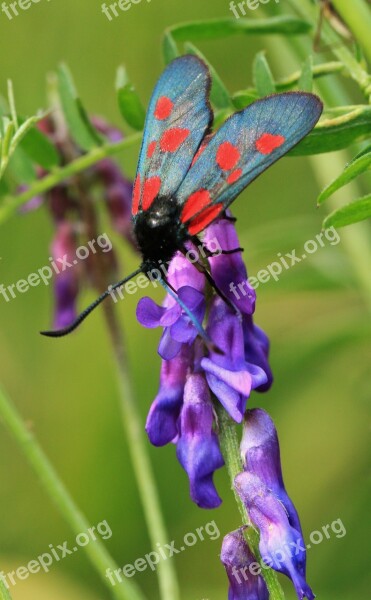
315 314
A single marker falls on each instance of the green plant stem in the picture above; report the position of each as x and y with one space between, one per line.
305 9
96 551
231 452
357 15
56 176
138 448
355 239
4 592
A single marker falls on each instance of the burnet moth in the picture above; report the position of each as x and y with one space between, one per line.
187 176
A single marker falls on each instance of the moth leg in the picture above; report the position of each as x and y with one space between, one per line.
202 269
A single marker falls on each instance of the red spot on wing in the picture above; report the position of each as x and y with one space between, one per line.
204 219
151 188
269 142
195 203
163 108
136 196
151 148
227 156
234 176
173 138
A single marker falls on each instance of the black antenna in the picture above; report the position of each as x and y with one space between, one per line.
89 309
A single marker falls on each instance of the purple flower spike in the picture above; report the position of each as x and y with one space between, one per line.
198 448
163 416
229 376
239 563
66 283
281 546
260 452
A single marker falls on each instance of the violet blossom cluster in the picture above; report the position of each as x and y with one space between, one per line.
66 208
193 379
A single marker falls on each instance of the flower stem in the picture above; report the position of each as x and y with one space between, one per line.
357 16
57 175
96 551
137 443
4 592
355 69
231 452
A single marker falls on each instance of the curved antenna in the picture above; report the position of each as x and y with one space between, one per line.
208 341
89 309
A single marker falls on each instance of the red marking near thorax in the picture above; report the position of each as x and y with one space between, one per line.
195 203
269 142
227 156
173 138
204 219
163 108
151 189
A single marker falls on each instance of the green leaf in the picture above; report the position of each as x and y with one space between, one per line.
41 151
219 28
305 82
351 171
20 167
336 133
81 130
356 211
244 98
219 94
169 48
130 105
263 78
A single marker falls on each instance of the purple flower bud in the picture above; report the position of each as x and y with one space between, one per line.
240 563
66 283
260 453
228 270
229 376
162 420
281 546
198 448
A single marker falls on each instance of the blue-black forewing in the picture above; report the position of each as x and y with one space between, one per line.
244 146
178 117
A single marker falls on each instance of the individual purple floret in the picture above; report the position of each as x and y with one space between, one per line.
281 545
198 448
66 282
260 453
240 563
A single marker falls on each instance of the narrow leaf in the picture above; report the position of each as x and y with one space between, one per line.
244 98
305 82
263 77
78 122
169 48
20 168
130 105
355 168
356 211
40 150
220 28
219 94
336 133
